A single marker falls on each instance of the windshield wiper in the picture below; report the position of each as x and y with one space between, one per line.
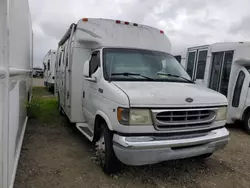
176 76
132 74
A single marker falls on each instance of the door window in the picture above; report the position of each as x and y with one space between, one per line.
201 64
190 64
60 59
48 64
238 88
226 72
216 69
94 62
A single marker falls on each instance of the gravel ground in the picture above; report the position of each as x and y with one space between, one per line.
56 155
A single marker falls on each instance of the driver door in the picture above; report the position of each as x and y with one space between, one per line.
90 89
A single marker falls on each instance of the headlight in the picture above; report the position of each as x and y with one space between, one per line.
140 117
134 116
221 114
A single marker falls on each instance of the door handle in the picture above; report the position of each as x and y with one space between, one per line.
100 90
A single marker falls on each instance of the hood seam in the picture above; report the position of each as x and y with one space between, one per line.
124 93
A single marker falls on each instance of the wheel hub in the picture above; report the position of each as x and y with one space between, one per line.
101 149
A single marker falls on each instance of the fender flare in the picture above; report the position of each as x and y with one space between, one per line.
105 117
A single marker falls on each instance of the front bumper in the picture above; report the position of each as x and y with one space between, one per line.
141 150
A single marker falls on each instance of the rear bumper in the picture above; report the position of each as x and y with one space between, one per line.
149 150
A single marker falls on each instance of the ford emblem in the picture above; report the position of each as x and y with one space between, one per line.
189 100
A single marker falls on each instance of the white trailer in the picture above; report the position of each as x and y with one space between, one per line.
224 67
16 40
49 69
124 90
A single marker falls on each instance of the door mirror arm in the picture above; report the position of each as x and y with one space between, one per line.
91 79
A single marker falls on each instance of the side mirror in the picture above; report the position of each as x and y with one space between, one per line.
86 69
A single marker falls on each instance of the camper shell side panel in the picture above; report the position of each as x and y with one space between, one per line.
4 93
15 83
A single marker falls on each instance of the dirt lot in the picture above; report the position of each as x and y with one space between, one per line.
55 155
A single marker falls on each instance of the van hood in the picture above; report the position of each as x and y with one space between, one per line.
169 94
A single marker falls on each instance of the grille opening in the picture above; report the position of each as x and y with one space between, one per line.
183 125
179 113
192 112
178 118
192 118
184 118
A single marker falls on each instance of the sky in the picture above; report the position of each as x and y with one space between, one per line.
186 22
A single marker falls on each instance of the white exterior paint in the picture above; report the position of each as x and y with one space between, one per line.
240 59
84 98
15 83
49 69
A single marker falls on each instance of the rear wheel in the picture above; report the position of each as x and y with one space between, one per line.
108 160
247 122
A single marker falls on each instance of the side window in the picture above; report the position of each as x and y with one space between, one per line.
226 72
44 65
201 64
94 62
67 59
60 58
190 63
238 88
48 64
178 58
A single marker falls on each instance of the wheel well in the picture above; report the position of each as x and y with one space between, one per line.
247 110
99 120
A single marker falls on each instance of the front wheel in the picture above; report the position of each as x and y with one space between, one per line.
247 122
108 160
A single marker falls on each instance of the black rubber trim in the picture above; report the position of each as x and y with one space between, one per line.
168 134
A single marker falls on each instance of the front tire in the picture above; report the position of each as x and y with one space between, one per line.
108 160
247 122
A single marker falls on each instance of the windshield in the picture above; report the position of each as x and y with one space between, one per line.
143 65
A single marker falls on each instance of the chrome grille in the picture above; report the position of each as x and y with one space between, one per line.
180 118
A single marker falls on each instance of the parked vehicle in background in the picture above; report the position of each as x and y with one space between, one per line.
224 67
49 69
37 72
16 64
181 57
132 98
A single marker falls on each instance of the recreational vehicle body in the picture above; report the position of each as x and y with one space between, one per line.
119 84
49 69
